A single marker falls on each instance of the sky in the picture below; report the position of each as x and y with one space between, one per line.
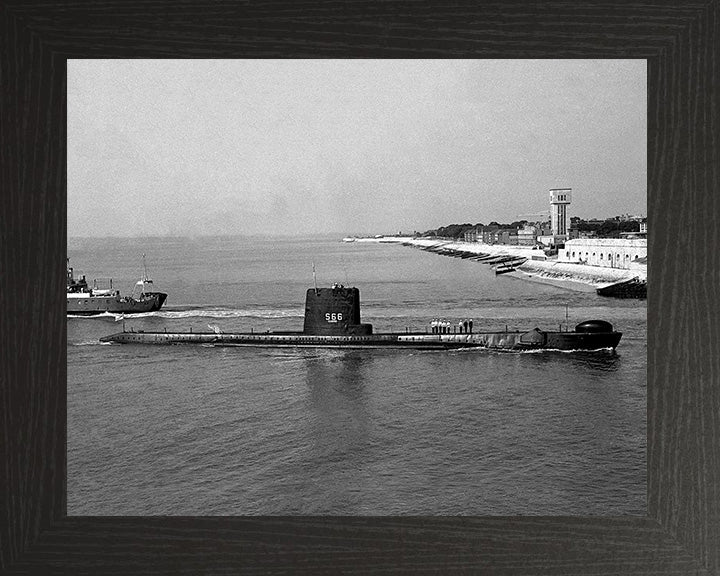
300 147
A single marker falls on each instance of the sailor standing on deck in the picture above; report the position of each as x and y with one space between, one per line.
470 325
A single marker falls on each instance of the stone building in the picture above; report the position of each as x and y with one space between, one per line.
606 252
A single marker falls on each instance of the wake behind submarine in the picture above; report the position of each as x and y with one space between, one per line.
332 320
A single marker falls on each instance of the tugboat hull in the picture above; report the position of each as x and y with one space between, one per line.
88 305
84 300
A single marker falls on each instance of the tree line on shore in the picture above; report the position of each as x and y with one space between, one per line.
608 228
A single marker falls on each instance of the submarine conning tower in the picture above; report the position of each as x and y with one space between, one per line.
334 312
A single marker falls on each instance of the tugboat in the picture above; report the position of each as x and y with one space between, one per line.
84 300
332 320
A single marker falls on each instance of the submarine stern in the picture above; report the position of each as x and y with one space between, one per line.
588 335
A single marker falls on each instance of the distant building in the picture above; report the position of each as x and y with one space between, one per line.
495 235
529 234
508 236
560 198
471 235
488 234
606 252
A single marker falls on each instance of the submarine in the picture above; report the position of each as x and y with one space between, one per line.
332 320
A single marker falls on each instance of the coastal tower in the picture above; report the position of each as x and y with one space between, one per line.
559 219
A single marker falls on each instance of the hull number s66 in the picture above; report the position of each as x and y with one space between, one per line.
333 317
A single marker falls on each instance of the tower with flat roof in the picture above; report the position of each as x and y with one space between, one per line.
559 219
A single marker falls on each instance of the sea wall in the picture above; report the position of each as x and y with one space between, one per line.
593 275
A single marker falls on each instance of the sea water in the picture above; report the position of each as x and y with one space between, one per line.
193 430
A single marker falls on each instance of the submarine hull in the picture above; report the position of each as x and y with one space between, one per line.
418 341
332 320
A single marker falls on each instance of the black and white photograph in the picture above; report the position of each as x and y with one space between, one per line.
357 287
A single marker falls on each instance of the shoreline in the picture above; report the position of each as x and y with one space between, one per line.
580 277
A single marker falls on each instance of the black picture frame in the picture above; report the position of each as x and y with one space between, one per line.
680 533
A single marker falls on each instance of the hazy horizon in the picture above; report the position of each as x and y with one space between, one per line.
177 148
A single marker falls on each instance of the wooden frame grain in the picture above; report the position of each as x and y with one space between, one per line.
681 532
